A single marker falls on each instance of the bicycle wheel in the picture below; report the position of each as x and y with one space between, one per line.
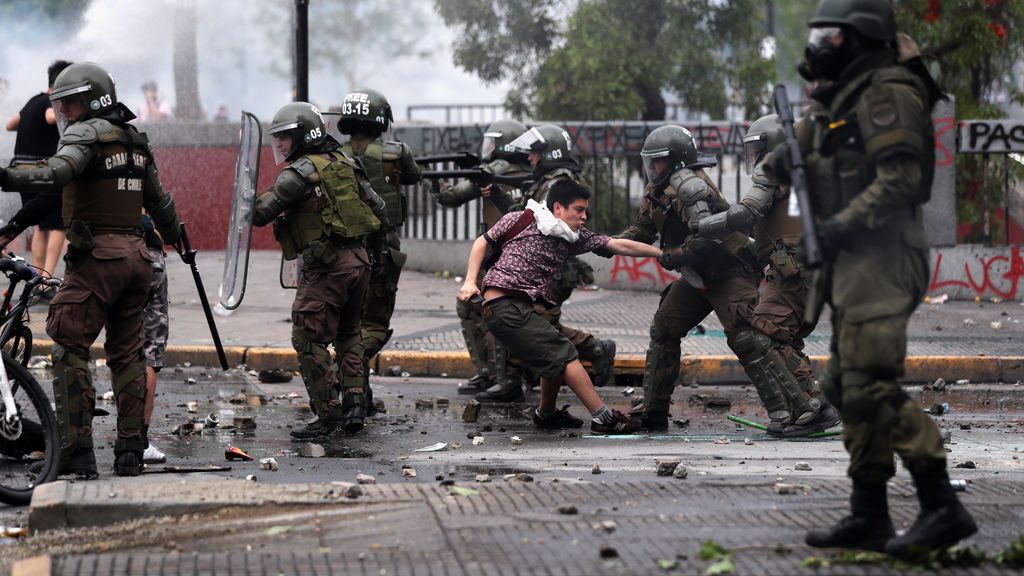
17 343
30 445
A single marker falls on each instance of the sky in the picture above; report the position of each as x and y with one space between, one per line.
133 40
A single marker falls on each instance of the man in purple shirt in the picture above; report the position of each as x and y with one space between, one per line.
523 275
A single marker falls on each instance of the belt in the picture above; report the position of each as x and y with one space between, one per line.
131 231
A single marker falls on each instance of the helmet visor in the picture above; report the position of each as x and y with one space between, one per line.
284 140
657 166
69 105
530 141
489 145
826 36
754 147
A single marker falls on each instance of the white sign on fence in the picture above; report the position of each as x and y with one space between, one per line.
995 136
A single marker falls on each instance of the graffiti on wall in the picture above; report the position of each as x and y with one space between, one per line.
993 274
640 270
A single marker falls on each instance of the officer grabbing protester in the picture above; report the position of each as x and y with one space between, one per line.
106 170
323 209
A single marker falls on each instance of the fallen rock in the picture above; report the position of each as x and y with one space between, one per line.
607 552
424 404
275 376
785 488
568 510
666 466
394 370
310 450
596 469
680 472
268 464
481 478
968 464
802 467
365 479
408 472
682 423
354 491
239 398
478 440
721 440
516 440
519 477
471 412
379 407
606 525
441 402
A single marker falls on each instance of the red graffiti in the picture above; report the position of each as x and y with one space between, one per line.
943 157
993 279
633 267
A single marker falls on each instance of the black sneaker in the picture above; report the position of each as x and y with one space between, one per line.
128 464
619 424
604 366
478 383
560 420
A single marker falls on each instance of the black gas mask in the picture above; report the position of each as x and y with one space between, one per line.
826 55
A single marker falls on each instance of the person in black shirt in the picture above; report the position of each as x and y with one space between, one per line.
37 140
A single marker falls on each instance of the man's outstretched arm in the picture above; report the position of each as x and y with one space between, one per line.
632 248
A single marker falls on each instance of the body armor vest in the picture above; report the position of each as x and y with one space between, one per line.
108 194
383 171
332 209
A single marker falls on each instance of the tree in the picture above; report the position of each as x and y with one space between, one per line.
616 60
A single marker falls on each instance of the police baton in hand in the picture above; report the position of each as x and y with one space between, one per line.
798 179
188 256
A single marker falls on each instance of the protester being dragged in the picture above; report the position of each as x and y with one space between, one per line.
534 244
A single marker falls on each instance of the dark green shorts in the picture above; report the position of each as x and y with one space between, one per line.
528 336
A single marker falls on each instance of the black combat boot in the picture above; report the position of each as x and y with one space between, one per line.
868 527
318 429
826 418
653 421
478 383
943 520
353 411
81 463
128 464
509 389
604 363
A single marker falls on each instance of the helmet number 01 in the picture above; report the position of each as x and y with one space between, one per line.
356 108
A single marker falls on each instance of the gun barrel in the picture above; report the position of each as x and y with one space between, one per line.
798 178
461 159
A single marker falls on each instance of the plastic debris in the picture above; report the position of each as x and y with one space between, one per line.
433 447
940 299
233 453
251 478
996 325
722 440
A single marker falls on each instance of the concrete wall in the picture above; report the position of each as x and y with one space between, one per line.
963 272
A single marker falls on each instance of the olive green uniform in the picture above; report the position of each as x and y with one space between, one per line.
108 175
389 165
320 210
869 148
479 342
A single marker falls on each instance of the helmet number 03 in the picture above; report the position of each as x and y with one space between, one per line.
556 153
356 108
106 100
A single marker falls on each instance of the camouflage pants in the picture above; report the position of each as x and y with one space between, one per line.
105 288
155 320
779 315
680 309
327 310
479 342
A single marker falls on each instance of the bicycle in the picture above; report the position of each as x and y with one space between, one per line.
29 437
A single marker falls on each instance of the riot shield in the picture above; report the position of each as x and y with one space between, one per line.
331 124
290 272
243 198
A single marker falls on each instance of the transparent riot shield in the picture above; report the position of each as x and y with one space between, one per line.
243 199
331 124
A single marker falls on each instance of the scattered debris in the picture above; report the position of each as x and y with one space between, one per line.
947 437
607 552
482 478
424 404
239 398
937 386
682 423
722 440
190 380
628 391
193 407
254 399
478 440
667 466
606 525
471 412
680 472
460 491
516 440
233 453
519 477
268 464
408 472
970 465
963 382
251 478
354 491
212 420
108 396
310 450
996 325
394 370
965 426
379 407
596 469
433 447
786 488
441 403
940 299
275 376
938 409
969 322
748 441
365 479
245 422
568 510
456 445
802 467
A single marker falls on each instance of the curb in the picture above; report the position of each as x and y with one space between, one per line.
705 369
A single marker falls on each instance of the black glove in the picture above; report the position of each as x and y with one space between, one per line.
781 165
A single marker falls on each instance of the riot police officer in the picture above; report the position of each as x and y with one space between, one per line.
496 158
106 170
716 274
777 320
869 148
366 118
549 150
324 209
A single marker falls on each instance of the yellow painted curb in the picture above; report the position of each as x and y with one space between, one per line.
705 369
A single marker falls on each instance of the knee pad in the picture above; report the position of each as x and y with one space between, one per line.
750 342
661 330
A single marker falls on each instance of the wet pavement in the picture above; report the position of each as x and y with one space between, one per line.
984 424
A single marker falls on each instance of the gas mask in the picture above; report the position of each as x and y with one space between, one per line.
826 54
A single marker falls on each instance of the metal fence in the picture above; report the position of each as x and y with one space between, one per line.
609 153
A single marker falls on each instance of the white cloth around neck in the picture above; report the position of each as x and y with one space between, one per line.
549 225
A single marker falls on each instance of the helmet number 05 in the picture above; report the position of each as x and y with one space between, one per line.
356 108
315 132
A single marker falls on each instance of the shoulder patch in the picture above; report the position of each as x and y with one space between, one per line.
304 167
882 114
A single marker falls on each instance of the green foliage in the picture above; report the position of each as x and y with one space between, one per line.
722 558
614 59
1013 555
